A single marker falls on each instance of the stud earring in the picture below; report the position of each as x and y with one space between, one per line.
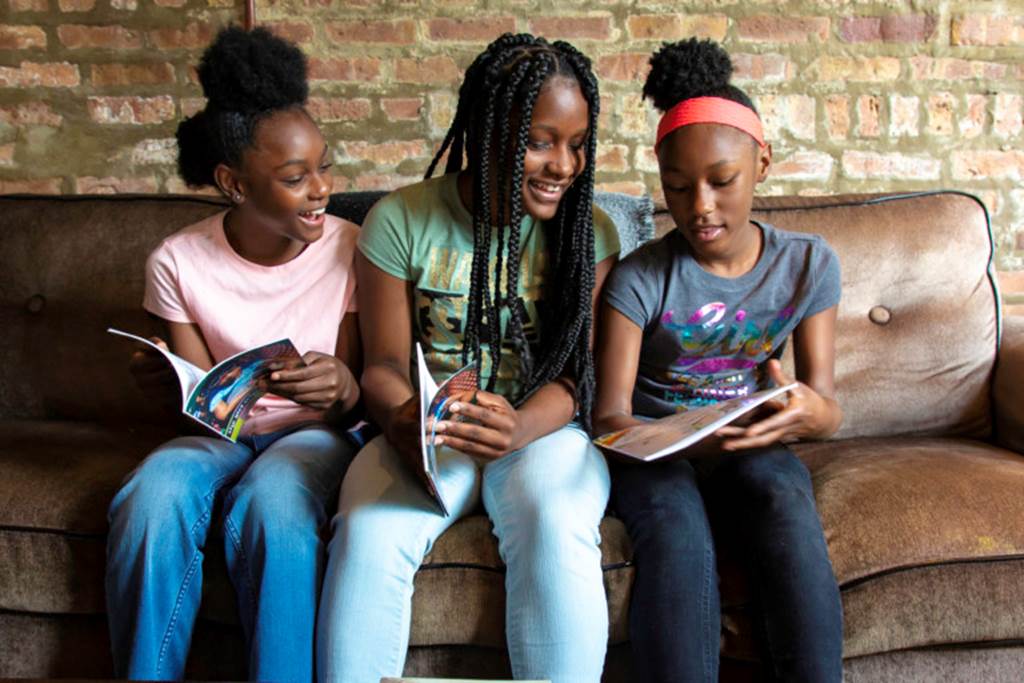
237 197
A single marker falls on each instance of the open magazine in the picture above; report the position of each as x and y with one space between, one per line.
435 402
667 435
221 399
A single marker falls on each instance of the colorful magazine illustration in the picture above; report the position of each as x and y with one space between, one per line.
435 402
221 399
673 433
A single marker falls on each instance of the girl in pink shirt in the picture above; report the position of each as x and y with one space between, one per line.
273 265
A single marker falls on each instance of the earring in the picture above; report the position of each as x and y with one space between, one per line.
237 197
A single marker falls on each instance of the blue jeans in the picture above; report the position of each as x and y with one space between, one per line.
764 500
546 502
275 490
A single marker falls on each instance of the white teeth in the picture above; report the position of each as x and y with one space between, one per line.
314 213
547 188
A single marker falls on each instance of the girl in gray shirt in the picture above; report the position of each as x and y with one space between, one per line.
699 316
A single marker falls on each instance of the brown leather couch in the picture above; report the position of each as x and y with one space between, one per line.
921 492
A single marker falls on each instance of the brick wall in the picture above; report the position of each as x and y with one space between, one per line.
858 96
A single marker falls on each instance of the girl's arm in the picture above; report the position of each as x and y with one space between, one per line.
617 356
502 429
812 411
187 341
385 304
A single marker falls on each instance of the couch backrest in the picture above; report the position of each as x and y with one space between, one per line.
72 266
917 329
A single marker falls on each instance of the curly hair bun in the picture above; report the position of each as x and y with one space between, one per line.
688 68
252 71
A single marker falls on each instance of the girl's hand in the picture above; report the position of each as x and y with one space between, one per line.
155 377
321 383
494 429
807 414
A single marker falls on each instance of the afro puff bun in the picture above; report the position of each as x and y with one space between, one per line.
246 77
252 71
691 68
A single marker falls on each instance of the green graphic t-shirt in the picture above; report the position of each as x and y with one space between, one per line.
423 234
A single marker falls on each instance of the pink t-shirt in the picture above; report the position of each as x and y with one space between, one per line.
195 276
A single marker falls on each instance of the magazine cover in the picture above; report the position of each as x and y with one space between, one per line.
222 398
673 433
434 403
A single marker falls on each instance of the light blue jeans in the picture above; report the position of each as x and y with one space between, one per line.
276 489
546 502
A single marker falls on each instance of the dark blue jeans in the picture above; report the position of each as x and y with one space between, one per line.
763 500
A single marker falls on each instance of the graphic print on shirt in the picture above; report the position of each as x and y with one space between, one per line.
721 354
440 301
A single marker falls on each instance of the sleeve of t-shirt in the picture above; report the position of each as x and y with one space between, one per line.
384 238
631 289
163 296
606 236
827 286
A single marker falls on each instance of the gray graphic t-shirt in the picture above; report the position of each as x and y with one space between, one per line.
706 338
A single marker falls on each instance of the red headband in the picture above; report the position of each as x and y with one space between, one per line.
711 110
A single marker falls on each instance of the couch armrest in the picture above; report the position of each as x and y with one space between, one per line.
1008 391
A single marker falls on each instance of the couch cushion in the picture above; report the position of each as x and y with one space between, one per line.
890 504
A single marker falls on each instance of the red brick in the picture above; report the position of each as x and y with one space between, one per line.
384 153
344 69
869 109
154 151
74 36
29 5
112 185
296 32
194 36
7 156
792 113
572 27
677 26
1019 244
988 165
858 68
803 165
624 186
777 29
941 106
987 29
192 105
131 110
892 165
904 115
132 74
1011 282
973 123
383 181
764 68
952 69
21 37
31 186
47 75
400 32
1006 119
76 5
329 109
624 66
892 28
644 160
30 113
402 108
837 116
427 70
612 158
484 29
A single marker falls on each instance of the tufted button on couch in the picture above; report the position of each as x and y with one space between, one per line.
921 492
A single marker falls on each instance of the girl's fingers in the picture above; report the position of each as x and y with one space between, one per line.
494 401
759 441
731 430
468 447
486 416
780 420
485 436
